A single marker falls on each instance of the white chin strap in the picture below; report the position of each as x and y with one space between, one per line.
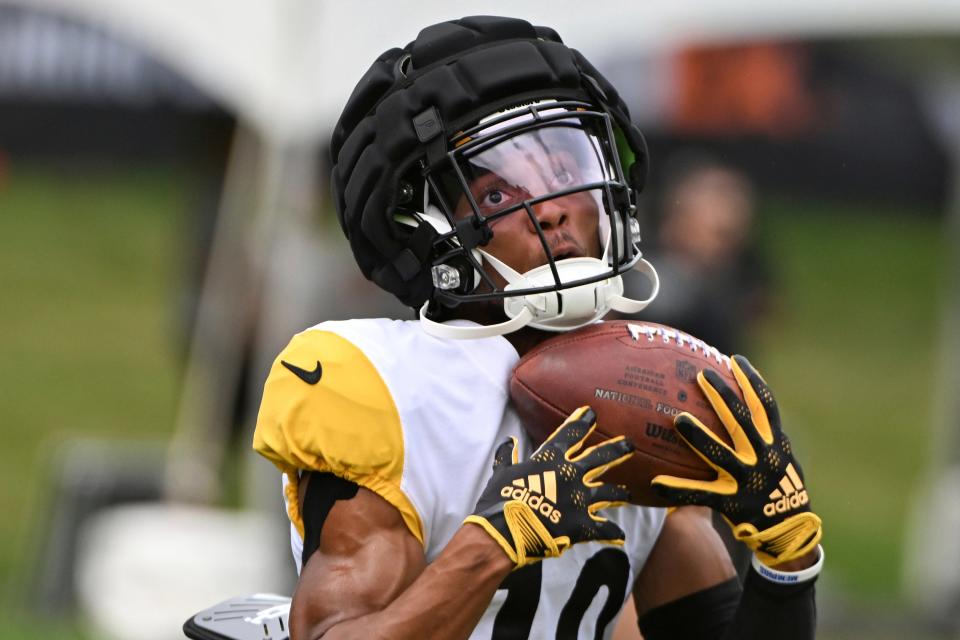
580 306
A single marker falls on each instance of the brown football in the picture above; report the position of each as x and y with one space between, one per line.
637 376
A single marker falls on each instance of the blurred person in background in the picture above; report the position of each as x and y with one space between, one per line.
714 281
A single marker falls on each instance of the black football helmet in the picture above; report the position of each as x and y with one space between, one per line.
475 122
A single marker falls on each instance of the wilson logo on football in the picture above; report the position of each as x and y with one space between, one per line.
538 491
790 495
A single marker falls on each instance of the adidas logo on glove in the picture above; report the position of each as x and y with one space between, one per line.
537 492
790 495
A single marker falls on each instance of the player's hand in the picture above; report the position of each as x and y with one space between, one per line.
759 487
537 508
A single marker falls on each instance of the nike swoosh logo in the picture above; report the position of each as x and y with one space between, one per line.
310 377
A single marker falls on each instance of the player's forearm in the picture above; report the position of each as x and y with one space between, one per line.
447 599
772 606
787 611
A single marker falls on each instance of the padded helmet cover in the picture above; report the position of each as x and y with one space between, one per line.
452 75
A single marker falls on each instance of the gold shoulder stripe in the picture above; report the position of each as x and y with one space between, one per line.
347 423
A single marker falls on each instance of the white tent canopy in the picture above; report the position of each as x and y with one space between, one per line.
286 67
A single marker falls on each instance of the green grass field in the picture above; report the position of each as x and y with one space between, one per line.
852 355
89 273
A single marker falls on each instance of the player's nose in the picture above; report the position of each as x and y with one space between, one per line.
550 214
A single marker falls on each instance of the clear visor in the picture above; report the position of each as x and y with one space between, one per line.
560 160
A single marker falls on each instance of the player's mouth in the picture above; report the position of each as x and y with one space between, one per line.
566 249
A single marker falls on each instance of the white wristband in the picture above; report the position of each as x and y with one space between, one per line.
789 577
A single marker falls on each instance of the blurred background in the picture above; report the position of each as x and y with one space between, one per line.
165 228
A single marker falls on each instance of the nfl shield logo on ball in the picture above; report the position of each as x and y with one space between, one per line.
686 370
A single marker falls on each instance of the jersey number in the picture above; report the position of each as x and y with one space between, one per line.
608 567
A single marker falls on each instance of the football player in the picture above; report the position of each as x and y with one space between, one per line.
487 175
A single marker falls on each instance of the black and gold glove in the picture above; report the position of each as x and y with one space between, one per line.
537 508
759 487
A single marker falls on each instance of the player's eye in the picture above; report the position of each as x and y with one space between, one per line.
498 197
493 198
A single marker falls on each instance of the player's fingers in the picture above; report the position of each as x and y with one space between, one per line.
602 453
705 443
733 413
569 435
607 495
683 491
506 454
607 531
763 407
599 458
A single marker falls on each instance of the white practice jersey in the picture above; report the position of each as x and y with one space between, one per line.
417 420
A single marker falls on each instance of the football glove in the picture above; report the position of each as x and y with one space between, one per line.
759 487
538 508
